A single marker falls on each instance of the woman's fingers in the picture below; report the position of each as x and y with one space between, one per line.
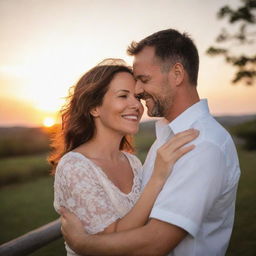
181 139
184 133
181 151
172 150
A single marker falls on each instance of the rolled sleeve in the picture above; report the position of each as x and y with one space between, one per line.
177 220
193 187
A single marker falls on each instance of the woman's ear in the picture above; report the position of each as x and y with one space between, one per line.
95 112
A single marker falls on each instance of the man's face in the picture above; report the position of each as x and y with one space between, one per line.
152 84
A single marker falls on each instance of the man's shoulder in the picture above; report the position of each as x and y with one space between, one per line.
212 132
215 139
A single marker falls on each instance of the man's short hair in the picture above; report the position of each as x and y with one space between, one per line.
171 47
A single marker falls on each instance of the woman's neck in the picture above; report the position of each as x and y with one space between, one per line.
102 146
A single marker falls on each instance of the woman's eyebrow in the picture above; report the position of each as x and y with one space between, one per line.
122 90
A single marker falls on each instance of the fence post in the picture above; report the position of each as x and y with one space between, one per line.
32 241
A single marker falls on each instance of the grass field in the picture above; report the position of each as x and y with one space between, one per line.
27 206
243 241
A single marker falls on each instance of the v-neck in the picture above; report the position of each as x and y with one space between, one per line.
106 176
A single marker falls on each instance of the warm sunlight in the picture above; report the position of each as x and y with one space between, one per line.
48 122
46 81
39 62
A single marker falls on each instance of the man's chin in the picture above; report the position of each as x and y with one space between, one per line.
154 110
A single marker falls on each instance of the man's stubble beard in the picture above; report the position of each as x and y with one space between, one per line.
158 109
162 105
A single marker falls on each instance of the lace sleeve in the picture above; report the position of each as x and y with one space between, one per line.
77 188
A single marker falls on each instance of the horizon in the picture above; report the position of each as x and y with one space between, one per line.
149 119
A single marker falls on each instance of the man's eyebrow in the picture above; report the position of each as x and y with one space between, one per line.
139 77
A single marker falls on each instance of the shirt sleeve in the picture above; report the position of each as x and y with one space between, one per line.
192 188
77 188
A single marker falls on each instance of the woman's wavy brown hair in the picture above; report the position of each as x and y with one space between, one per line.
78 124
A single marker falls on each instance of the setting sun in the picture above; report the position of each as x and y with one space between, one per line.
48 122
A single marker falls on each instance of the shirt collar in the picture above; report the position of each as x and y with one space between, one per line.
162 128
189 116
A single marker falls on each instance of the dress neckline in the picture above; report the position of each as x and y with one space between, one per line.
106 176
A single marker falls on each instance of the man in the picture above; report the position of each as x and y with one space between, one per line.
194 213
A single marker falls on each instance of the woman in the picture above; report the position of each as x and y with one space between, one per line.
96 177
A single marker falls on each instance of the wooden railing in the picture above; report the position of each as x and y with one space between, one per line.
32 241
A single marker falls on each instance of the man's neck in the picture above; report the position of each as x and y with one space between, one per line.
182 102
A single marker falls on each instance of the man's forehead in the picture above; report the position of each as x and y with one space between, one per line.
146 55
143 65
139 69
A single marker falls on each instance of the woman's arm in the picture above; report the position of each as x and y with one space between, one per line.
167 155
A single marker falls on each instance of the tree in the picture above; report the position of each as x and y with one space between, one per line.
244 20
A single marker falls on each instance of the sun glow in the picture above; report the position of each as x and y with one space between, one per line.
48 122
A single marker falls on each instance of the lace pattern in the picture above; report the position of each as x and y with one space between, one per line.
83 188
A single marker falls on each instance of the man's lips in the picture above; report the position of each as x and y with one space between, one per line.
148 100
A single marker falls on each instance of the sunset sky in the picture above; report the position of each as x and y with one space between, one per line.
46 45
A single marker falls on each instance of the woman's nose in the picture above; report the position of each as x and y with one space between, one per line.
135 103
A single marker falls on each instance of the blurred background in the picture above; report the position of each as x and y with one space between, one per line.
46 45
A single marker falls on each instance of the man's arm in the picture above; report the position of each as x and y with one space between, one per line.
155 238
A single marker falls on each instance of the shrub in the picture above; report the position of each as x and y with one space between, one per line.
247 132
17 141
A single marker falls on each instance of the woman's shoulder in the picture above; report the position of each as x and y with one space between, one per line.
73 156
73 162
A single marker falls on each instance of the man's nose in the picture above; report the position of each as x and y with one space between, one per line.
138 87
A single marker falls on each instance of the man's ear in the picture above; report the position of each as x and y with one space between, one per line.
95 112
177 73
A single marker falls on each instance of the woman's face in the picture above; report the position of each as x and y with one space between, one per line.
120 111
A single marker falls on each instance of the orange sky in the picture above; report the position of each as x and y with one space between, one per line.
47 45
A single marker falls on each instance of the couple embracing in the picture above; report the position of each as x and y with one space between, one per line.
182 200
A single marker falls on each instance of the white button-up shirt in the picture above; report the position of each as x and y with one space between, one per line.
199 196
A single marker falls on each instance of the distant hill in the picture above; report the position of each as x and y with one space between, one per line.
234 120
16 141
24 141
227 121
147 125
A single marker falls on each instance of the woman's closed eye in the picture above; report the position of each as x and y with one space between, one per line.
123 96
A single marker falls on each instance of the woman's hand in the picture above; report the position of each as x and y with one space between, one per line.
171 151
72 229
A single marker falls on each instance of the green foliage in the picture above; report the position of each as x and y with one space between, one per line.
242 13
245 15
247 132
144 139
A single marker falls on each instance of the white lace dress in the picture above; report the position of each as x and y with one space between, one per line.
82 187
